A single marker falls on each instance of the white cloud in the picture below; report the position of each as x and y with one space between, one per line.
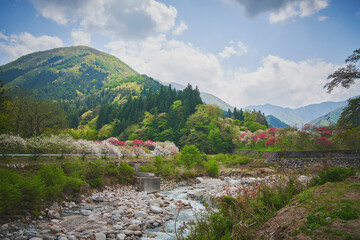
180 29
322 18
239 49
170 61
283 82
282 10
117 18
80 37
3 36
16 46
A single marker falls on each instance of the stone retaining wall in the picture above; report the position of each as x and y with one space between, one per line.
302 159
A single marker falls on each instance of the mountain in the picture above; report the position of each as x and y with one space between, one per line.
206 97
329 118
299 116
274 122
68 72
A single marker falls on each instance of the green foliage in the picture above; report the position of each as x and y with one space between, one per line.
233 160
350 117
212 168
94 173
334 174
251 208
125 173
347 212
148 168
54 178
189 155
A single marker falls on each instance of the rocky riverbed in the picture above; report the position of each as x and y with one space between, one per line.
123 213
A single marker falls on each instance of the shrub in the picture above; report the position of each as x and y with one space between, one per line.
126 173
158 163
10 194
54 179
148 168
334 174
94 173
212 168
190 155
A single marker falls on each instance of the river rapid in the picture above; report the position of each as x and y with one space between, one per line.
124 213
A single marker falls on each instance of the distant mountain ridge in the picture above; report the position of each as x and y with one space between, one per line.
206 97
299 116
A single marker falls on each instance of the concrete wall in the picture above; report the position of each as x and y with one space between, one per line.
148 184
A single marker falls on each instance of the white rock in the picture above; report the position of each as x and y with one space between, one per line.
63 238
199 180
156 209
141 214
157 202
4 227
120 236
53 214
117 227
100 236
85 212
138 222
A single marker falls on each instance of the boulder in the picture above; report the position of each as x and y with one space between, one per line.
142 214
100 236
156 209
85 212
53 214
134 227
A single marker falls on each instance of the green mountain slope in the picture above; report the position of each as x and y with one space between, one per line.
333 118
275 122
65 73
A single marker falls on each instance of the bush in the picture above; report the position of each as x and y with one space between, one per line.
190 155
54 179
10 193
212 168
148 168
94 173
334 174
126 173
32 191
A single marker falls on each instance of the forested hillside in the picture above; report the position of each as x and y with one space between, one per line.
92 95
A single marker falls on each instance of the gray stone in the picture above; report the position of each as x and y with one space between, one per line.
138 222
141 214
120 236
156 209
111 235
138 233
22 238
134 227
56 207
4 227
85 212
129 232
100 236
116 217
63 238
145 197
157 202
72 237
199 180
53 214
36 238
117 227
97 198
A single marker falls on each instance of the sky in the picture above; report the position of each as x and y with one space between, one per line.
246 52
